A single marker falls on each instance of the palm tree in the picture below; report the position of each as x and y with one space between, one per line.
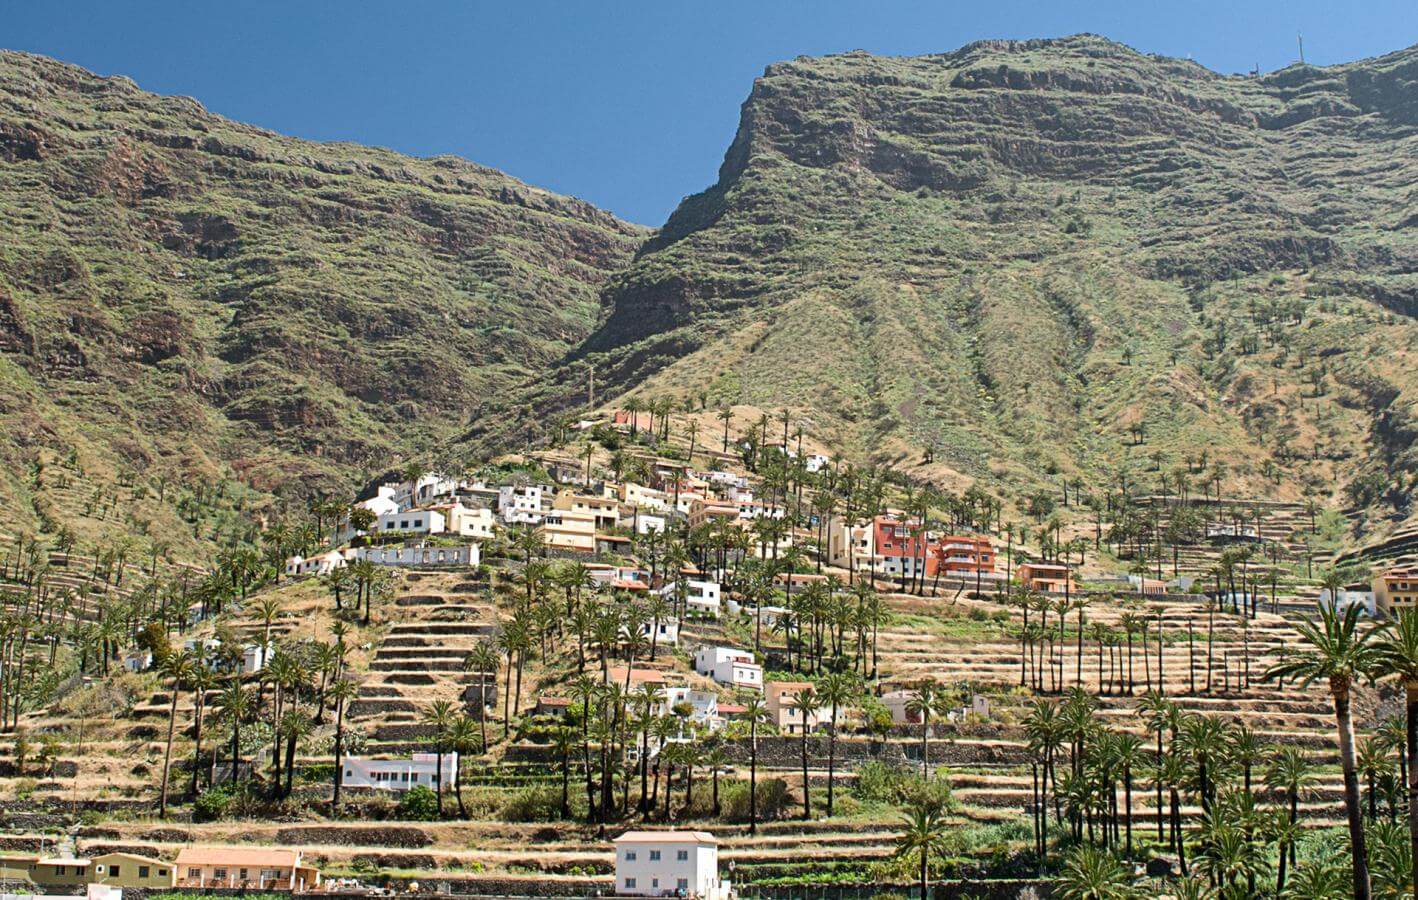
341 692
439 716
716 758
926 699
178 667
835 691
462 738
1398 657
1340 654
1289 774
1128 756
806 704
202 680
482 659
755 709
924 833
1091 873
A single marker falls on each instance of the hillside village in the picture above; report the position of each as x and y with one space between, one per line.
726 644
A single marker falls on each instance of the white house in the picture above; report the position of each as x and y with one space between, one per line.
647 522
254 658
466 521
816 462
703 705
319 564
669 863
1348 598
137 660
700 597
428 486
524 504
414 521
383 502
665 634
399 774
466 555
729 665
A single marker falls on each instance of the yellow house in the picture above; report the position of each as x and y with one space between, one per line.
566 529
124 870
1396 589
605 511
130 870
16 868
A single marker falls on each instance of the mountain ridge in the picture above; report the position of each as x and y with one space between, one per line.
875 197
933 260
216 301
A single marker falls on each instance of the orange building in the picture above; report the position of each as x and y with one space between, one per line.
964 555
1047 577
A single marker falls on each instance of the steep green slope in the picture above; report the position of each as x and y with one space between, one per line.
186 296
1047 257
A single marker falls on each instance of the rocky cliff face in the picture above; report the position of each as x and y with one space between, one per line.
1048 257
1013 262
179 290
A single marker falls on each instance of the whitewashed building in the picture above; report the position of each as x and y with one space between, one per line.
254 658
319 564
666 633
669 863
383 502
648 522
467 521
399 774
729 665
523 504
1347 598
700 597
465 555
413 521
703 705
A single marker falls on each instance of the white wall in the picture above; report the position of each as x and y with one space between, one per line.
639 873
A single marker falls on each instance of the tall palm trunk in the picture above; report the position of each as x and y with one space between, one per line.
1357 847
1412 753
167 755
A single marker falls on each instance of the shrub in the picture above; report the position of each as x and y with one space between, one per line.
539 803
419 804
214 803
772 797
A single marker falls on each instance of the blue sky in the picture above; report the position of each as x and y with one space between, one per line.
628 104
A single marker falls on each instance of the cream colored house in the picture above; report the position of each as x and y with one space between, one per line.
566 529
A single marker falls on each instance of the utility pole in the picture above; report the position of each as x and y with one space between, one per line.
1300 39
591 385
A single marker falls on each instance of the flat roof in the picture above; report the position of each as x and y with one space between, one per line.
666 837
226 856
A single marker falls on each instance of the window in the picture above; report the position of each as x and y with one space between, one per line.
162 873
143 872
194 873
59 870
630 884
654 856
244 876
114 870
654 882
681 855
219 873
683 884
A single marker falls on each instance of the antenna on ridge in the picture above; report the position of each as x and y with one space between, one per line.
1300 39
